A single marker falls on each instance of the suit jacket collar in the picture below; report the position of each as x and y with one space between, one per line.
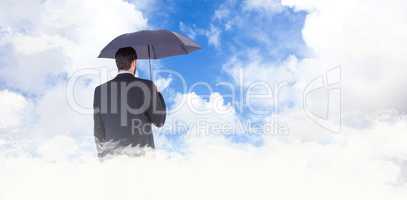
125 75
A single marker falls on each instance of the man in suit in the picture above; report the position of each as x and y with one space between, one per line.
125 108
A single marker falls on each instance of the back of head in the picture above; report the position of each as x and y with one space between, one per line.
124 57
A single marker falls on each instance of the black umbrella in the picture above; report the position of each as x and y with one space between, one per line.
151 45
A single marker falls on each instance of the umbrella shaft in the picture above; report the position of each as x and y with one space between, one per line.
149 62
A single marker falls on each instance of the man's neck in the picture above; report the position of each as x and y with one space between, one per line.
125 72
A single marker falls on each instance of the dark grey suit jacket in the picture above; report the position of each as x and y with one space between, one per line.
124 109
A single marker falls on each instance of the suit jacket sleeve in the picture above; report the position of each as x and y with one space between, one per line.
99 131
157 109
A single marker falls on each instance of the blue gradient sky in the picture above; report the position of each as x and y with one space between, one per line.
273 34
281 31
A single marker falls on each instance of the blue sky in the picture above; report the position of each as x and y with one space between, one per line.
282 30
274 35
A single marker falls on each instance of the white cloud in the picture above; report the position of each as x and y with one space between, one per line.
281 169
201 117
55 116
252 69
67 36
221 13
366 39
192 32
268 5
213 35
58 148
13 107
343 34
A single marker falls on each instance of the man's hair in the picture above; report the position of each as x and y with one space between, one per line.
124 57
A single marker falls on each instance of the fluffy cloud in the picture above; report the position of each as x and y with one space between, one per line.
285 170
366 38
199 120
343 36
13 109
268 5
58 148
45 39
367 52
213 33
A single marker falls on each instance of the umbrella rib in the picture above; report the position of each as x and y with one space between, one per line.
180 41
183 47
154 52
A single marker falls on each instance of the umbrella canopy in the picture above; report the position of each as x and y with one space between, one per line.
151 44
